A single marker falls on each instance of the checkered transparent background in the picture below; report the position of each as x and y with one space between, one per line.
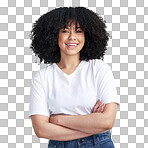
127 22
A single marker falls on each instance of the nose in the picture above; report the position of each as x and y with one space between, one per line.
72 35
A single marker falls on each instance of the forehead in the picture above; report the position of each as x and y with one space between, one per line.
72 25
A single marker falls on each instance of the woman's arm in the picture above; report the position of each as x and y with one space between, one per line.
93 123
44 129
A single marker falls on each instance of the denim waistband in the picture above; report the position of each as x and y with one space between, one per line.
80 140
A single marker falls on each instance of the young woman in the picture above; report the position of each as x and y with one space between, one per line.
73 101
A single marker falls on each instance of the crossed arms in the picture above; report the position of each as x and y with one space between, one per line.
70 127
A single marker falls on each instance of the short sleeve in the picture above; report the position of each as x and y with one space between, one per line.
106 88
38 99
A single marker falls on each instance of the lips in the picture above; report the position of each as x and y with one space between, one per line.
72 45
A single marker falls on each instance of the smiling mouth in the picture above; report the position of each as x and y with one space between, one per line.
71 44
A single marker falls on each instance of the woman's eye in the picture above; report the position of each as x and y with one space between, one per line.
79 31
67 31
64 31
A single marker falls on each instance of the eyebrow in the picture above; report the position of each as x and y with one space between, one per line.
68 28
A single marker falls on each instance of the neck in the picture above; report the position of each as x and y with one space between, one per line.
69 62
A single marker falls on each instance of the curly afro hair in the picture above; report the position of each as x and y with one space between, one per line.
44 34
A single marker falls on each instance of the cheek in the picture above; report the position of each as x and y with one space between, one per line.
82 39
60 40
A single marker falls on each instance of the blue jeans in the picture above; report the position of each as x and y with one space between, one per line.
102 140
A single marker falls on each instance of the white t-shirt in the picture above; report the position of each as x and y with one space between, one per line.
55 92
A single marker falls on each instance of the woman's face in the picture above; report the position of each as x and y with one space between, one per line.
71 40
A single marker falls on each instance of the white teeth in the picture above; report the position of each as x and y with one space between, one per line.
71 44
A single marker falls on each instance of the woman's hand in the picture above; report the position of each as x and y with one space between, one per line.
99 107
53 119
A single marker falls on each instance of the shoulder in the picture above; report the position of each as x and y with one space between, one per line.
42 73
100 69
99 64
